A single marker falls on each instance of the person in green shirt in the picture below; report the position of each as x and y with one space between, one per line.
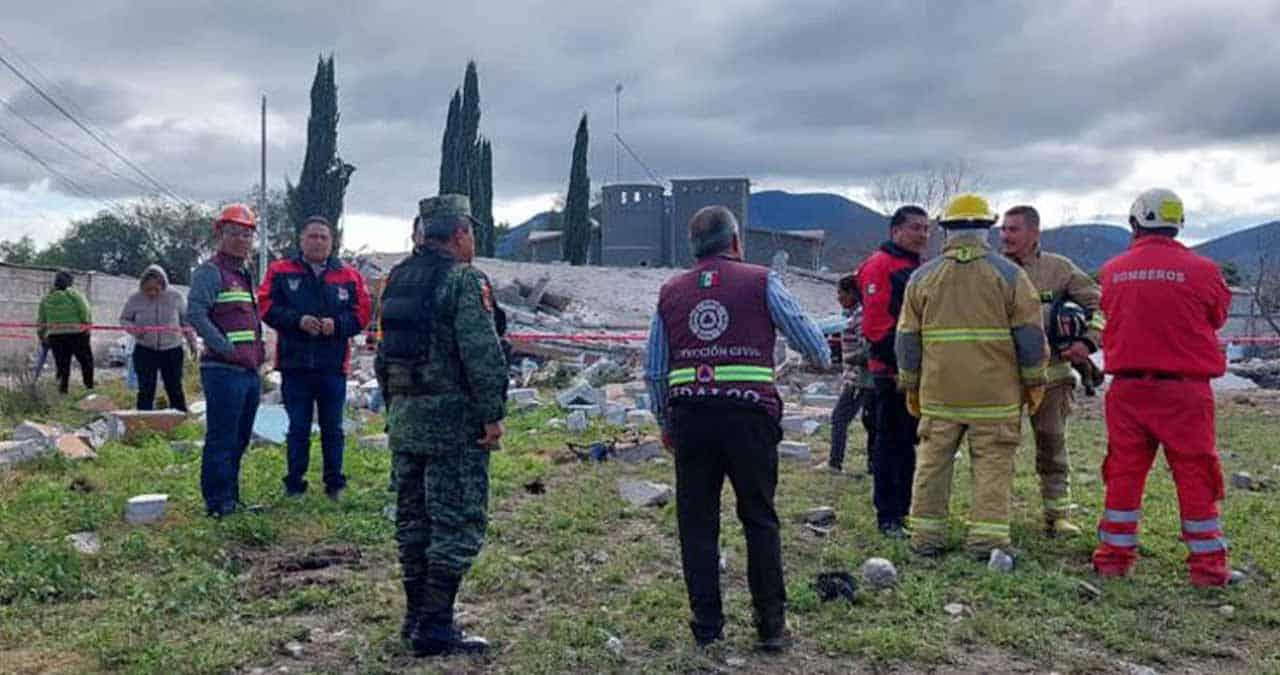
63 322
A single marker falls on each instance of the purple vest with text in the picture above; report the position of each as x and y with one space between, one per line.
720 334
235 313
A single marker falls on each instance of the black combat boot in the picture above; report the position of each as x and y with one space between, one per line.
436 634
413 589
771 631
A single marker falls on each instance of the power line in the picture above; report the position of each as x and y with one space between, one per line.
72 149
57 106
58 174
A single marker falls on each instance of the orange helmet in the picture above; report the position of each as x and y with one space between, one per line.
238 214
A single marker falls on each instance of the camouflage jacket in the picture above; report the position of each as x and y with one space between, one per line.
467 371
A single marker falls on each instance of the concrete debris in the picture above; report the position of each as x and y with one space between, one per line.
796 424
96 403
1232 382
820 400
1088 591
793 450
581 393
102 431
145 509
375 442
879 574
591 411
822 516
643 493
614 646
955 610
603 372
1136 669
641 418
271 424
1237 577
13 453
819 388
642 401
1227 611
197 408
31 431
522 395
1242 480
1000 562
71 447
389 512
85 543
636 453
294 649
724 562
615 415
818 530
577 422
138 422
556 423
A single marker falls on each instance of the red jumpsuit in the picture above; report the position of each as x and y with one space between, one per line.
1163 305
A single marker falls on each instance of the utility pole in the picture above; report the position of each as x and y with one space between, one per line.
264 225
617 133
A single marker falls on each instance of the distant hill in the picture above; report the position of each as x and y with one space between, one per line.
1088 244
1243 248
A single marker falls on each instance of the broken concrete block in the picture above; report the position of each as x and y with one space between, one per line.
376 441
818 388
577 422
71 447
96 403
29 431
1000 562
85 543
955 610
642 401
822 516
615 392
271 424
635 453
820 400
101 431
145 509
793 450
879 574
197 408
641 418
13 453
591 411
644 493
580 393
615 415
797 424
522 395
1240 480
137 422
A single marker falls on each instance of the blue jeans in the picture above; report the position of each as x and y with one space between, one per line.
302 392
231 400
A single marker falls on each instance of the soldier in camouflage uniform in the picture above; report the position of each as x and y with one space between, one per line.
443 372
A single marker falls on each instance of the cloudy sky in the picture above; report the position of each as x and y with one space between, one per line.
1075 105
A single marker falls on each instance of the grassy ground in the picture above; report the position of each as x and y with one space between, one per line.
569 566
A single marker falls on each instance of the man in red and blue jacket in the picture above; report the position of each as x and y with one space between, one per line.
882 280
317 304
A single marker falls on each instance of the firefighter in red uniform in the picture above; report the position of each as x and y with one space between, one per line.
882 279
1164 305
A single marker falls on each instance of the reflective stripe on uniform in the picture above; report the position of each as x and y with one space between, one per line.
241 336
730 373
1030 373
1058 371
1058 503
994 529
1207 545
986 412
1201 526
1099 321
927 524
1122 516
1121 540
965 335
234 296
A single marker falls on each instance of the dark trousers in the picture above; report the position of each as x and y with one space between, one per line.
713 442
852 399
893 454
231 395
66 346
167 363
304 392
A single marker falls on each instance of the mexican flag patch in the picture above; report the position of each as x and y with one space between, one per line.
708 279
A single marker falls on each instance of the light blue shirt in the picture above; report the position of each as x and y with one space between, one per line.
789 318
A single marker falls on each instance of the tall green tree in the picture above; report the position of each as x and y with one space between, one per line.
466 158
109 242
322 185
577 222
451 179
22 251
482 200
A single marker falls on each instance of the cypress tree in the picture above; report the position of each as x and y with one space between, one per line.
466 158
449 178
482 198
322 185
577 225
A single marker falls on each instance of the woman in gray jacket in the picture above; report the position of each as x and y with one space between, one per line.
156 316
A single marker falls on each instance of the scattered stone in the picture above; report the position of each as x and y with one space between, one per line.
615 415
796 424
1000 562
735 661
581 393
644 493
31 431
71 447
375 441
197 408
138 422
1237 577
822 516
955 610
271 424
793 450
85 543
145 509
879 574
1088 591
519 396
834 585
294 649
102 431
820 400
1135 669
603 372
645 450
641 401
555 423
591 411
96 403
1227 611
818 388
18 452
577 422
389 512
641 418
724 563
614 646
1242 480
818 530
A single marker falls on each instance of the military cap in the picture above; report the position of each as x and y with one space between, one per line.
440 214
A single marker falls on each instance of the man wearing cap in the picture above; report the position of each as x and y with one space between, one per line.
443 372
1164 306
222 310
970 351
1058 281
317 304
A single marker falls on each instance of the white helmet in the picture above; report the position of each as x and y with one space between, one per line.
1157 208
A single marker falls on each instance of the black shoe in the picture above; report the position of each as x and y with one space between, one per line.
335 495
772 635
893 531
705 637
445 639
413 589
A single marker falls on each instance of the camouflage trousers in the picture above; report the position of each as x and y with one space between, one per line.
441 510
1050 426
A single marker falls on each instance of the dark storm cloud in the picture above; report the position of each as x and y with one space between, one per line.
1037 96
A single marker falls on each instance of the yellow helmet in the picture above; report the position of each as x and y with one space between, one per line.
967 208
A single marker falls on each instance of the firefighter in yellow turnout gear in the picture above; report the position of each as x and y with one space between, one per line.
1057 280
971 351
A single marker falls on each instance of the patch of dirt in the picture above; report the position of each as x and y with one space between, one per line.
37 662
274 573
